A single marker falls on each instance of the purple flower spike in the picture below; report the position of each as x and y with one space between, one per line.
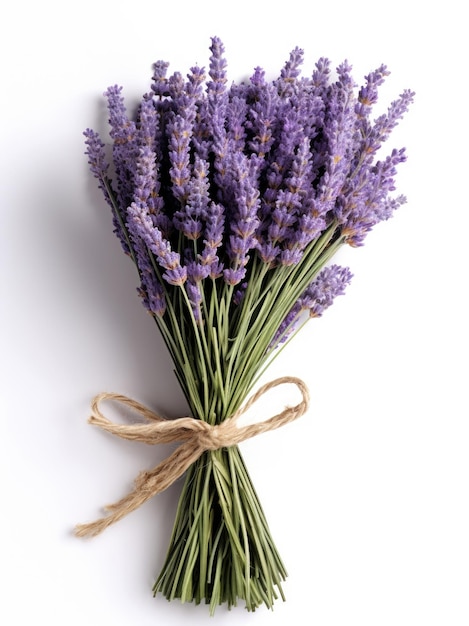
368 205
290 256
95 150
368 94
196 79
234 276
145 177
148 124
151 290
141 228
195 298
176 276
180 132
217 69
386 123
317 297
99 166
160 83
375 134
244 219
213 237
147 189
125 151
268 251
236 117
189 219
289 73
329 284
320 77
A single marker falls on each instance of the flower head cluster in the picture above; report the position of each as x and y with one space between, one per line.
316 298
211 179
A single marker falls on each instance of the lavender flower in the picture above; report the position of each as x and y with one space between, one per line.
189 219
244 220
213 238
290 133
123 132
217 69
179 131
151 290
95 149
368 94
375 134
367 202
147 188
339 135
159 84
320 78
263 101
216 110
148 124
328 284
316 298
196 274
235 122
287 83
141 227
305 221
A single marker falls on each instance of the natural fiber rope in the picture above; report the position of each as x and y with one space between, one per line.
198 437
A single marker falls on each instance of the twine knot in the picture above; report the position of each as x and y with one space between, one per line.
212 437
196 436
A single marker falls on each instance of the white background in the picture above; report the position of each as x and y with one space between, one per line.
367 495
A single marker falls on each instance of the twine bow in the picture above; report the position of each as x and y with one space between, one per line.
197 437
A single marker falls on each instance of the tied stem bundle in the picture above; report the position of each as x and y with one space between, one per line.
198 437
231 201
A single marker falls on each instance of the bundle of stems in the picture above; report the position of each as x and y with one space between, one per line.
231 202
221 549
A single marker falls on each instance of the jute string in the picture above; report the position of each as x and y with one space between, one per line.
197 437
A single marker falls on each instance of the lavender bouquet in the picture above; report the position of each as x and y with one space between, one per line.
231 201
